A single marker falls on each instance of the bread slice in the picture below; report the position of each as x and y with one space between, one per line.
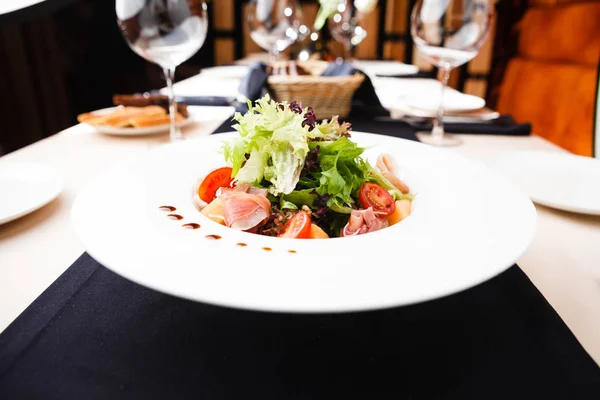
120 117
144 121
122 120
142 100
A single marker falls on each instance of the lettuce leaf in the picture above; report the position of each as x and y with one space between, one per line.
271 145
300 197
342 173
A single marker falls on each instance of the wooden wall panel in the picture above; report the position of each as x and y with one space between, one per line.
309 13
476 87
394 50
368 48
224 51
249 45
481 63
223 14
396 16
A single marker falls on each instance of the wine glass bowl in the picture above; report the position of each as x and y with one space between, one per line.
274 24
164 32
344 26
449 34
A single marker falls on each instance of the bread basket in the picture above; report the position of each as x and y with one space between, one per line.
327 95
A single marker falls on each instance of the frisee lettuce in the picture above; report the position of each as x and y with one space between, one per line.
273 142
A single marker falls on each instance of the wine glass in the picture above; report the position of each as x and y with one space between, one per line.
274 24
448 33
344 26
165 32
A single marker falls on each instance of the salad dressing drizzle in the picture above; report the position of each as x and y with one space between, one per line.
194 226
191 225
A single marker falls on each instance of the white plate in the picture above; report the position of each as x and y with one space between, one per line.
422 96
26 187
453 102
558 180
206 85
150 130
382 67
467 226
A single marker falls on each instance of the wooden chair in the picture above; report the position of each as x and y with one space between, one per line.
551 78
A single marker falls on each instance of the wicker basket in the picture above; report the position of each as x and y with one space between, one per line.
327 95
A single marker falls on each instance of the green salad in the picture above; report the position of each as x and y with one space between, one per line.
301 165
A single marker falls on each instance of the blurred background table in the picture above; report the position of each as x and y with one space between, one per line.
68 57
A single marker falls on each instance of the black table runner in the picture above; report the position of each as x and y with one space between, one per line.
95 335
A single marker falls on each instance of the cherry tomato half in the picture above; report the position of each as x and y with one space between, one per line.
220 177
373 195
298 226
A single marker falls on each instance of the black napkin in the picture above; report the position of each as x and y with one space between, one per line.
226 126
504 125
254 86
419 75
95 335
254 83
365 99
396 129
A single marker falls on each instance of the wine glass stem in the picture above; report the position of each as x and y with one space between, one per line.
437 132
273 55
175 133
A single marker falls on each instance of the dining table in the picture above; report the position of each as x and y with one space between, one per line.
562 261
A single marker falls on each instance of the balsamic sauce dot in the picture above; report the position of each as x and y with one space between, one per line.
191 225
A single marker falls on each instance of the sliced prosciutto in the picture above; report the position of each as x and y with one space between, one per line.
363 221
385 163
244 207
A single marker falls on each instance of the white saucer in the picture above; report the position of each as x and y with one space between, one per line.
385 68
26 187
148 130
558 180
453 102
